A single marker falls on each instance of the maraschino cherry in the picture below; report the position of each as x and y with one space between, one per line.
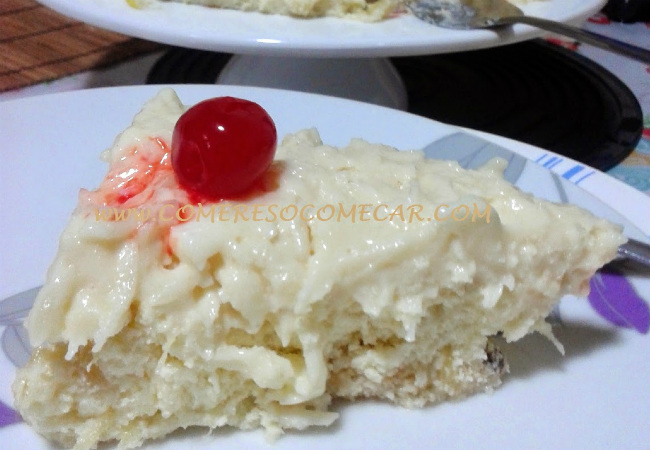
222 146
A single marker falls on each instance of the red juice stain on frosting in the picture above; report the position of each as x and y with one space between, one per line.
132 179
137 172
138 186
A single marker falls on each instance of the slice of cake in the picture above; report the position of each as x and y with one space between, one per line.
360 10
355 272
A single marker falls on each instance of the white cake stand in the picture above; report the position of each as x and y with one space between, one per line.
329 56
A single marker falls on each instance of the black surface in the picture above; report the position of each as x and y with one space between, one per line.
534 92
185 66
628 10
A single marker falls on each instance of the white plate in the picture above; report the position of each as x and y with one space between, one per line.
253 33
595 397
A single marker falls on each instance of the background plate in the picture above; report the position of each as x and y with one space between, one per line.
253 33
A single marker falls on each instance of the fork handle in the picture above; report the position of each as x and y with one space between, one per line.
597 40
636 251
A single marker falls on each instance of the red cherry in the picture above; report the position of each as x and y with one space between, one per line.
222 146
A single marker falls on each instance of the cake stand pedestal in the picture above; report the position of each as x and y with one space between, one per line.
372 80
